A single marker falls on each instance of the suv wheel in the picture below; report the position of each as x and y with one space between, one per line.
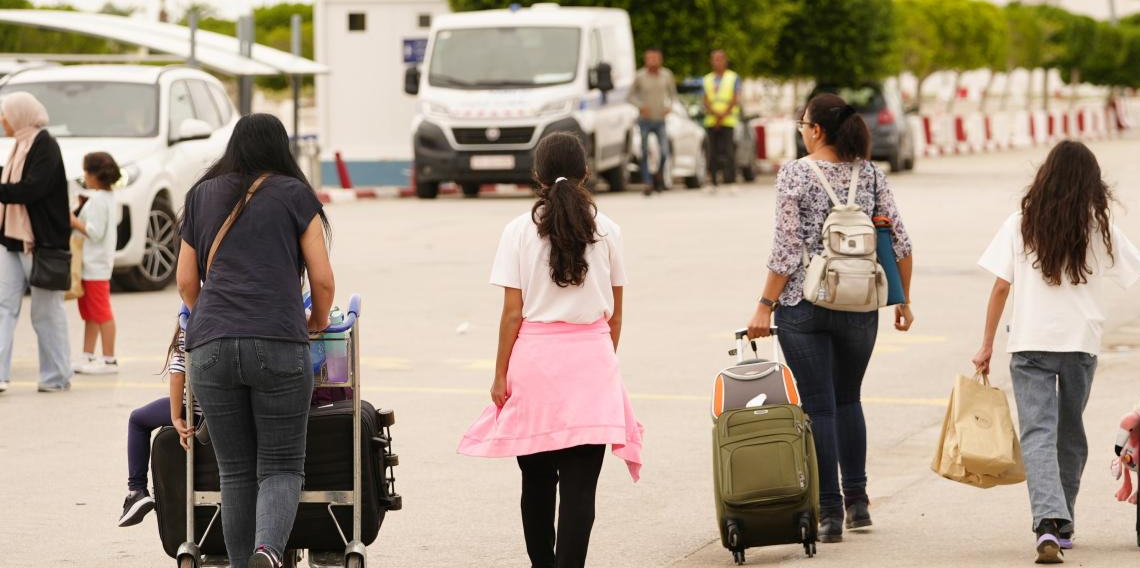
160 255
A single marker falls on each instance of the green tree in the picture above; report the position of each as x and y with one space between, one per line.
1026 44
916 41
837 41
21 39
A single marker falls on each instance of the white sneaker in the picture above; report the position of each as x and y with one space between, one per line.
98 368
3 386
84 362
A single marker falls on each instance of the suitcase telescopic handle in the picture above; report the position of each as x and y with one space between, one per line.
742 334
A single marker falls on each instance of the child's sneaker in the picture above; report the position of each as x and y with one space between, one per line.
264 558
99 368
135 507
1048 544
85 360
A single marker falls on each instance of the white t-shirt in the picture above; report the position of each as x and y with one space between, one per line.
99 246
1064 318
523 262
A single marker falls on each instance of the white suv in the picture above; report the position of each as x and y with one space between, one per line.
163 125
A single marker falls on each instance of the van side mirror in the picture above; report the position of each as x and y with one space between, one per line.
602 77
412 80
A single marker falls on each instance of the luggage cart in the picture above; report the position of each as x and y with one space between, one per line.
355 555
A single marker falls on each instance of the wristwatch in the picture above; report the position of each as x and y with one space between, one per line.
770 303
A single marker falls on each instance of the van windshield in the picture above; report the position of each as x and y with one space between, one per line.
490 58
95 109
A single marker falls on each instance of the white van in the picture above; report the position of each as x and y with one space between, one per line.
496 81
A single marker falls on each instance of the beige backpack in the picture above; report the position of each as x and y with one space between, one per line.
846 277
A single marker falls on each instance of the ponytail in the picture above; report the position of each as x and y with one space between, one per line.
842 126
565 209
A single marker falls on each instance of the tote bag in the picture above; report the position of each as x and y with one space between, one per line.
979 444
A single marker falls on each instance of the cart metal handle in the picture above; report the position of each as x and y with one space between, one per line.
349 318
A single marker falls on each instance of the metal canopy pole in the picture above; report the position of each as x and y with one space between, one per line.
245 48
192 61
296 80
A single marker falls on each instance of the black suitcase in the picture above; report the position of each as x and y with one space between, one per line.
328 467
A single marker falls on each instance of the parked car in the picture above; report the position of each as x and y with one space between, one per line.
164 125
691 92
880 104
495 81
688 156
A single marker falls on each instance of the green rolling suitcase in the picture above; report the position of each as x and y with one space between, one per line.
766 480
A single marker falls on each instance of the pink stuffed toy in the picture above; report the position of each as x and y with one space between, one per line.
1128 452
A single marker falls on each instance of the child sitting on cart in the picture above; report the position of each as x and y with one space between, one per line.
166 411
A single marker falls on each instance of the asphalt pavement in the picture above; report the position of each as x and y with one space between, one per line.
696 263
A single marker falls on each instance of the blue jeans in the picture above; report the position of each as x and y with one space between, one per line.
48 319
828 351
655 127
255 394
1051 390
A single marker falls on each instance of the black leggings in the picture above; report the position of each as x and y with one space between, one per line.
577 469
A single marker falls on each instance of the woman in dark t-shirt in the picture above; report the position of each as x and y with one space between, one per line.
248 336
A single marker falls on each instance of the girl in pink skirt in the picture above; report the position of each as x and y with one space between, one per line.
558 395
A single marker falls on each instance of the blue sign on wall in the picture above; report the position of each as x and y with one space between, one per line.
414 50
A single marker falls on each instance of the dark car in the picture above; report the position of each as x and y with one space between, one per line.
892 139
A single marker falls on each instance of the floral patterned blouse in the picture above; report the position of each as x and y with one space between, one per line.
802 205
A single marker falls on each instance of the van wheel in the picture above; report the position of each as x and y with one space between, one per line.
160 255
471 189
615 178
427 189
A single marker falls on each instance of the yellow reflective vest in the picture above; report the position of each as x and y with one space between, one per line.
720 98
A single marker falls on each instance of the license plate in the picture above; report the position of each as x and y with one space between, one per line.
493 162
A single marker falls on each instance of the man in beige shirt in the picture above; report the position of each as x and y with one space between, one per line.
654 92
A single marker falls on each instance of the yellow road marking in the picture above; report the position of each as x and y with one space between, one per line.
160 385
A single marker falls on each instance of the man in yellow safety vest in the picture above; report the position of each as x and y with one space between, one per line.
722 113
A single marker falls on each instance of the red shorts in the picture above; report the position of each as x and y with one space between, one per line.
95 305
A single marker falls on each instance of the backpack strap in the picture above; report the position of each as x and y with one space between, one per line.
854 183
225 229
823 180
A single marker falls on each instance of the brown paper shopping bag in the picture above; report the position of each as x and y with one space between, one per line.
979 444
76 290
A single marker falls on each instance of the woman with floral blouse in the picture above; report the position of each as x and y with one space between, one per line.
828 350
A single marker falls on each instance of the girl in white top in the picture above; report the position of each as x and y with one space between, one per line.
96 222
557 397
1055 254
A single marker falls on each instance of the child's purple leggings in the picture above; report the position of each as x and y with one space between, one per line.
144 420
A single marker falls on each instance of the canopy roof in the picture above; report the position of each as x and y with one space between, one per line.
214 51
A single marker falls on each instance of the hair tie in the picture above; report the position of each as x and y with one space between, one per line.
559 179
846 112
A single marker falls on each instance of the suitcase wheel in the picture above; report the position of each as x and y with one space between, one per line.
396 503
738 557
733 535
187 561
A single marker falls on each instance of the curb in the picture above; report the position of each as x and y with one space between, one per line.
338 195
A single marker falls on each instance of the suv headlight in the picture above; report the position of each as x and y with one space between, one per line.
563 106
131 173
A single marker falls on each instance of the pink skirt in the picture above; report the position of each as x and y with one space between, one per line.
565 391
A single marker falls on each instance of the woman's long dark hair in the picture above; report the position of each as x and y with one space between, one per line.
1060 212
259 145
565 210
842 126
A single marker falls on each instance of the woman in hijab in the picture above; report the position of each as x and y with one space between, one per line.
33 215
